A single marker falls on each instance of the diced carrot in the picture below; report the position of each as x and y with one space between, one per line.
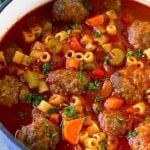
72 63
95 21
113 103
72 130
55 118
75 44
98 73
106 89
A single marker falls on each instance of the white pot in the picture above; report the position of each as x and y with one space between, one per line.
15 10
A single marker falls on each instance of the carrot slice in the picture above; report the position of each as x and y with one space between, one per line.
72 130
113 103
72 63
95 21
75 44
55 118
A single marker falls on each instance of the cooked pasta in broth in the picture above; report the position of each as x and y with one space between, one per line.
75 75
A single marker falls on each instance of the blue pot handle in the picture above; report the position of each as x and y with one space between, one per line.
8 142
3 4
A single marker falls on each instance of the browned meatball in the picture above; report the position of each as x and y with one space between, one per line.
141 140
139 34
11 89
112 122
39 135
66 82
131 83
69 11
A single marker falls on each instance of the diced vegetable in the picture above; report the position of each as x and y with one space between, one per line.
55 118
98 73
32 79
72 63
72 130
106 89
113 103
53 110
44 106
47 26
117 56
95 21
54 45
75 44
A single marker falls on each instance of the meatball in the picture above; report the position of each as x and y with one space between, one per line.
11 89
66 82
113 122
71 11
127 83
139 34
39 135
141 141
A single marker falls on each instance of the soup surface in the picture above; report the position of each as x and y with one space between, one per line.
76 75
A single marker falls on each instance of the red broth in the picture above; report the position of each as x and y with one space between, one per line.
20 114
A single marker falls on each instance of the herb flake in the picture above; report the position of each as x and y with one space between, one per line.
70 111
132 134
94 85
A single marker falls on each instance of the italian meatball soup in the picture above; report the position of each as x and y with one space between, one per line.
75 75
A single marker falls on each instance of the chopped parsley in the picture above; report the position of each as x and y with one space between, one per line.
95 85
46 68
34 98
80 75
97 33
120 120
98 99
55 135
97 110
87 5
68 30
106 60
75 26
132 134
103 145
70 111
136 53
53 111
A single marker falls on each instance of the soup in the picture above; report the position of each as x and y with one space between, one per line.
75 75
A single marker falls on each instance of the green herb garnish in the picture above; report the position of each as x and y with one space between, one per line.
94 85
132 134
70 111
75 26
87 5
68 30
106 60
103 145
80 75
46 68
53 111
98 99
55 135
136 53
97 110
120 120
35 98
97 33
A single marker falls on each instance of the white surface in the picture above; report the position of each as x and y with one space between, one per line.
16 10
